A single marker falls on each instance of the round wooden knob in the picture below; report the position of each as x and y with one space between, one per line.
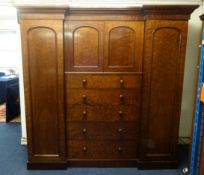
120 149
84 81
84 149
84 97
121 81
121 97
120 112
84 113
84 130
120 130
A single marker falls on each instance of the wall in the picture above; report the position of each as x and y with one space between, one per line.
191 54
8 22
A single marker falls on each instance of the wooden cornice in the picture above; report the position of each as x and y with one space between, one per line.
169 11
108 11
173 12
41 12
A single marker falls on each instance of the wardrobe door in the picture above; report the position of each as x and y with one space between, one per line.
165 44
42 44
84 46
123 46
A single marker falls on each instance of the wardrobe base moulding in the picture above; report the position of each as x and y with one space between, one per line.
46 166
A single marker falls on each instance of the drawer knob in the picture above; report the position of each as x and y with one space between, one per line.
84 130
120 112
120 130
121 81
84 149
120 149
121 97
84 81
84 97
84 113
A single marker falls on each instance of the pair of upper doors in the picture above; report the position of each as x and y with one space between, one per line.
98 46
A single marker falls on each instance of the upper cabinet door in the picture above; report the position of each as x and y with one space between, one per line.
123 46
84 46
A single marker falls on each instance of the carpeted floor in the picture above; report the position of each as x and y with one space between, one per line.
13 158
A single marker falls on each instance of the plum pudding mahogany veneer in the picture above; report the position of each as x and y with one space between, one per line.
103 86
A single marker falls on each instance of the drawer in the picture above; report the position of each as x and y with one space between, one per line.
97 81
103 97
102 149
103 113
102 131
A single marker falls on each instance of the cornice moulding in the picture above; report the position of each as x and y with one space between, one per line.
95 4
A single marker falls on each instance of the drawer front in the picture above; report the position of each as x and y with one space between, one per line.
102 131
102 149
97 81
103 97
103 113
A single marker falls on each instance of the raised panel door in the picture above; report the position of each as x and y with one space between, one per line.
162 88
43 78
84 46
123 46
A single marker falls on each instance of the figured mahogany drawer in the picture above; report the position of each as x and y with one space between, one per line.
103 113
78 149
103 97
102 130
101 81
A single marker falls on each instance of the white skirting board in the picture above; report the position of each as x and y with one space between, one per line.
23 141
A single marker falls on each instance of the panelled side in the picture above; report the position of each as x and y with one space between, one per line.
42 44
165 43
